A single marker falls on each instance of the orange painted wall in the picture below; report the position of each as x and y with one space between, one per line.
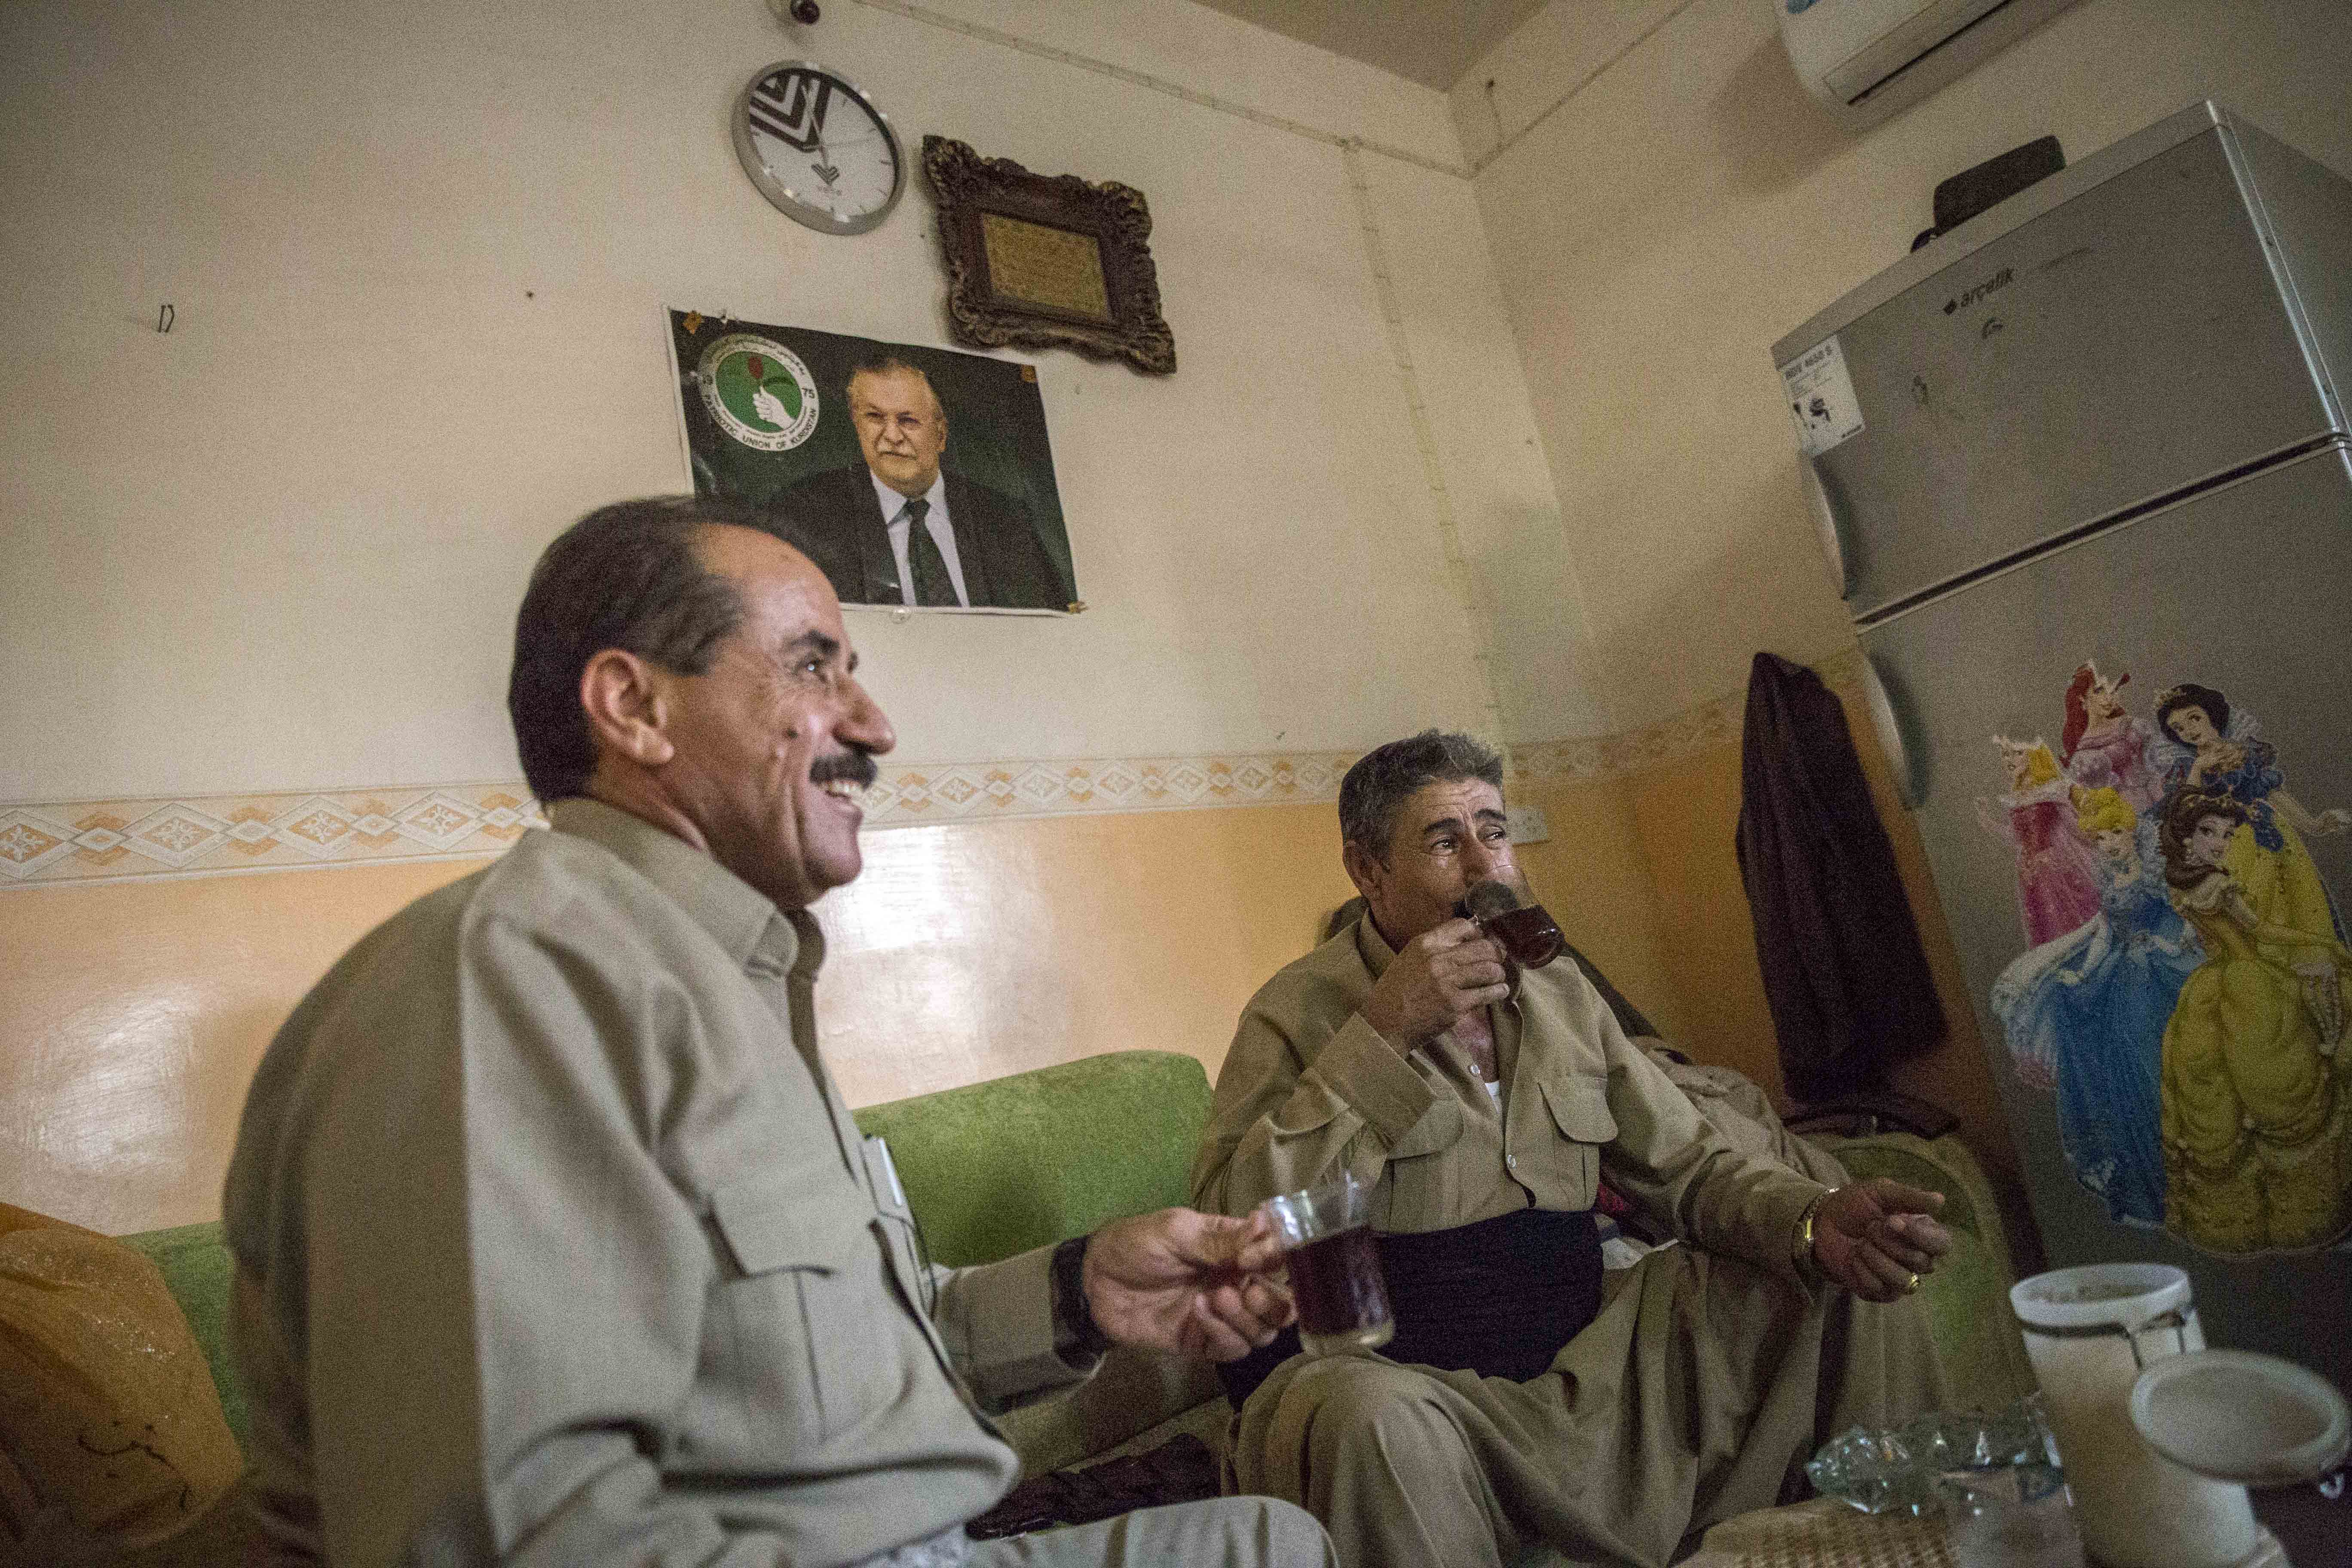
133 1016
1594 876
1687 814
968 952
134 1012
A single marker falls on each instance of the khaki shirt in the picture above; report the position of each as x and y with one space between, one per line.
556 1243
1309 1088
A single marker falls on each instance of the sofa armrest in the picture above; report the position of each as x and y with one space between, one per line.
1966 1298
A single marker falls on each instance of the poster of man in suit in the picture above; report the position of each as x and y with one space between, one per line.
914 477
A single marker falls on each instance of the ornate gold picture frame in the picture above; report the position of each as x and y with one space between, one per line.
1046 260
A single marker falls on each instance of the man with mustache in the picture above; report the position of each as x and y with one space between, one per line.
556 1242
1524 1402
899 529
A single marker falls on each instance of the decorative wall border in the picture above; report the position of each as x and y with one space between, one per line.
94 841
1714 722
951 792
97 841
1711 724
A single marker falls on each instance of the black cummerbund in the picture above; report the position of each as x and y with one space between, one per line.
1498 1298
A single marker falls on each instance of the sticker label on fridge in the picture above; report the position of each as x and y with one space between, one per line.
1820 399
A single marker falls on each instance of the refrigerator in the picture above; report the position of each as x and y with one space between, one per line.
2083 476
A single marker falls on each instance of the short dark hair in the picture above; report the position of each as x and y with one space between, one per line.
2189 694
1385 777
627 577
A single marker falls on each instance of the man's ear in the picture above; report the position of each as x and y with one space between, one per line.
1366 872
628 713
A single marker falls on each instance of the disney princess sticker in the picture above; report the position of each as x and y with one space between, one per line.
2057 879
2085 1014
2105 746
2212 747
2256 1106
2188 1024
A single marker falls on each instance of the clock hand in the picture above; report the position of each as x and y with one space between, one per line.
825 168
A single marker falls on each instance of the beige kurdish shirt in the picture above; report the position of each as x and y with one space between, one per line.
557 1245
1309 1090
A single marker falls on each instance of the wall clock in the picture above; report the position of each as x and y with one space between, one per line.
818 148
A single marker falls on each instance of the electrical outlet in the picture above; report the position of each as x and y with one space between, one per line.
1526 824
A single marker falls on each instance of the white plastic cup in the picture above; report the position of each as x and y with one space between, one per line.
2241 1415
2088 1332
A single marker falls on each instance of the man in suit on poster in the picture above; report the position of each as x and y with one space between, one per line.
900 530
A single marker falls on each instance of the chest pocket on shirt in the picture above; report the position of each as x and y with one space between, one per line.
805 1333
1579 1104
1424 1175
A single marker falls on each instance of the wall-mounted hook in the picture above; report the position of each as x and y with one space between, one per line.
165 317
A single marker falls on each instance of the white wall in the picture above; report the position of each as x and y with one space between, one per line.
1667 201
418 255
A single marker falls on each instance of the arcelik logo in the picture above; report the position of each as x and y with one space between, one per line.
1977 295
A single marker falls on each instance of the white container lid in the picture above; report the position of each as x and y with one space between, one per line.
2238 1415
2099 1295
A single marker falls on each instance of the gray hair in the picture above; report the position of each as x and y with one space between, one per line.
1385 777
882 361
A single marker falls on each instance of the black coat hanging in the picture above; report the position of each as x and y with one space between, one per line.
1844 971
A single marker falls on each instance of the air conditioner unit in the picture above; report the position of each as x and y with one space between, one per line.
1866 58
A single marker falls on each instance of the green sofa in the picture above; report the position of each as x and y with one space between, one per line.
991 1170
1015 1162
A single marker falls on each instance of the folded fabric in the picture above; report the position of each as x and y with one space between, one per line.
110 1431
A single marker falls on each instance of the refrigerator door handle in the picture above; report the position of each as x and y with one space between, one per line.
1888 726
1826 524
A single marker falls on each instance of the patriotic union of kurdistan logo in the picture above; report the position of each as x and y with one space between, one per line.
759 391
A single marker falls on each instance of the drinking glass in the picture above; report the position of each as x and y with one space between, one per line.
1527 933
1335 1267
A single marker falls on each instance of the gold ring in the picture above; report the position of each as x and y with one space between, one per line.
1910 1284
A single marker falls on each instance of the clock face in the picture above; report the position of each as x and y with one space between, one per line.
818 148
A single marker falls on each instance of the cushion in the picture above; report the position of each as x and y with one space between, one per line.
111 1432
997 1168
196 1269
1017 1162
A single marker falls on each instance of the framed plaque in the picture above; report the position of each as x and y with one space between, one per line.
1046 260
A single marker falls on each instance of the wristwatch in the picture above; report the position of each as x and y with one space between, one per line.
1801 1249
1077 1335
